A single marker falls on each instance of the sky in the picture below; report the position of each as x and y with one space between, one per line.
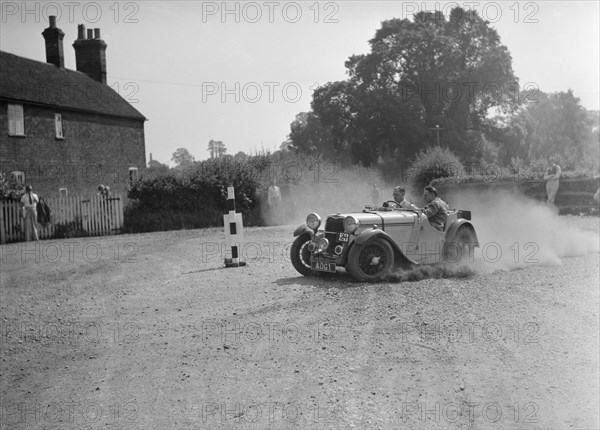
239 72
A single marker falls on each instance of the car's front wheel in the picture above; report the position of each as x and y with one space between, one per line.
370 261
300 255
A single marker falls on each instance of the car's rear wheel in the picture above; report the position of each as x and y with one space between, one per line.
371 261
458 249
300 255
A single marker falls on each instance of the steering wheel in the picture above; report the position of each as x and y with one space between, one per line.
386 205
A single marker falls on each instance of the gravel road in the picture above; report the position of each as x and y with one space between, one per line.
151 331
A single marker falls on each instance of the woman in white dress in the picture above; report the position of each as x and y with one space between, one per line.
552 176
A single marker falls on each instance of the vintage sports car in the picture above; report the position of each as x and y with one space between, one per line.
369 244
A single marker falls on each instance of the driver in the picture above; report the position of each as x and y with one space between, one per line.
401 202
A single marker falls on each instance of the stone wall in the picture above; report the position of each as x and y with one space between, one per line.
574 195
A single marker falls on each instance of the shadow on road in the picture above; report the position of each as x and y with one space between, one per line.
204 270
340 280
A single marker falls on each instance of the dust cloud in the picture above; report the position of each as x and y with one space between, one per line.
515 232
432 271
345 191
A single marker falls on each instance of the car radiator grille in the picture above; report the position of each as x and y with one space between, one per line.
334 225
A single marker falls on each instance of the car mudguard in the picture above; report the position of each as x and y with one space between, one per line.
451 232
370 234
303 228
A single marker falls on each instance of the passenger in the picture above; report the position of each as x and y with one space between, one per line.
401 202
435 209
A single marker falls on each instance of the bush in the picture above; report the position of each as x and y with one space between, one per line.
196 196
9 189
435 162
191 197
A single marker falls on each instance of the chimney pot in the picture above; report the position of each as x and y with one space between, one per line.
90 54
53 37
81 31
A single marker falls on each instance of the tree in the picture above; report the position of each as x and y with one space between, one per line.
419 74
221 149
216 148
211 148
309 135
157 167
240 156
182 157
155 164
553 126
559 126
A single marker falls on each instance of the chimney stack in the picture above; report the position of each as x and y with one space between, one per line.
90 54
54 44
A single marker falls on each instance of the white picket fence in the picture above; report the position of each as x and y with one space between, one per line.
96 216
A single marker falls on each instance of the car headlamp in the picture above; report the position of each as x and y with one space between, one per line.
313 221
322 244
350 224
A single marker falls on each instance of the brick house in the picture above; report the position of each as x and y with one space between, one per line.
66 131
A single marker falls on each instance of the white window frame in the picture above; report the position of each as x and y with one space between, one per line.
63 192
58 126
16 122
18 176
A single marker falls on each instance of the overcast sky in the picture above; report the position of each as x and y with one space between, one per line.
172 60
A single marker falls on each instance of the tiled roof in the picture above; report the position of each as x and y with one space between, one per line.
25 80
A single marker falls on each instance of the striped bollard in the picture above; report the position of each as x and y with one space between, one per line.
234 232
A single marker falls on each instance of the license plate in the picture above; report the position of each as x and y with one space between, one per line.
322 266
343 237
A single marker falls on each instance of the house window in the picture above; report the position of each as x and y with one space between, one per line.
18 177
16 125
63 192
58 126
133 175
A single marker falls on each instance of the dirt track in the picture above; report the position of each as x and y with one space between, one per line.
150 331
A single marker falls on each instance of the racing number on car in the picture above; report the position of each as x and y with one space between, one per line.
343 237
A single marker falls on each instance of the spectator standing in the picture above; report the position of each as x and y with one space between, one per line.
274 202
552 176
105 206
375 195
29 202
